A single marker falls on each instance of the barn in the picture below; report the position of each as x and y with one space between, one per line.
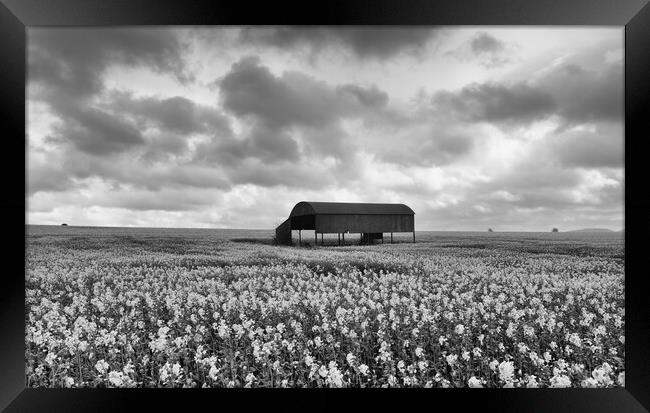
370 221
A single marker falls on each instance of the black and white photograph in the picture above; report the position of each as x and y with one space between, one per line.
325 206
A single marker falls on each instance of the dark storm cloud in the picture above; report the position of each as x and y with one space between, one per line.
486 43
496 102
46 177
370 97
364 42
264 143
278 146
292 99
176 114
590 149
97 132
289 108
584 95
485 50
269 145
164 146
574 94
331 140
71 61
66 68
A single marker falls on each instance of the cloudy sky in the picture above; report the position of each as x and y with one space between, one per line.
511 128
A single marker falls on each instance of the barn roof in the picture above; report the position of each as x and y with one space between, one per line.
338 208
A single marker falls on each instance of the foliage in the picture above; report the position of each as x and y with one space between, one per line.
192 311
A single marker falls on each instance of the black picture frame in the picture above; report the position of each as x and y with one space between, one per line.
17 15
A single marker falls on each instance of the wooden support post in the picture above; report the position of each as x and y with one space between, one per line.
344 239
414 237
315 238
321 239
339 236
299 237
391 237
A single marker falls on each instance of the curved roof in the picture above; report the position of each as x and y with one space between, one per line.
338 208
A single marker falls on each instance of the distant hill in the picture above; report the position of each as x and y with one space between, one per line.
592 230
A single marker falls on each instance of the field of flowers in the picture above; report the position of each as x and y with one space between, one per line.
192 308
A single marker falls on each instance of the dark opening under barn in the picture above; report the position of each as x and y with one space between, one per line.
369 221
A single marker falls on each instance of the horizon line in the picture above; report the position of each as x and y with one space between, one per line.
272 229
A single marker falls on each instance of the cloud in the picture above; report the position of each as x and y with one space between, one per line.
496 102
291 114
538 181
165 199
369 97
97 132
503 195
72 61
103 195
45 175
534 194
595 147
157 127
164 147
485 50
532 175
572 90
264 143
364 42
484 42
293 99
65 71
586 95
276 130
295 176
64 170
430 144
174 114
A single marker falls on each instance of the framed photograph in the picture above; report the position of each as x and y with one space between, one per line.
376 200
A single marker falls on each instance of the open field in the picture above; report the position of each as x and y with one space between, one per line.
134 307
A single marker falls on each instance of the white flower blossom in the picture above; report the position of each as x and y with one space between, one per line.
473 382
363 369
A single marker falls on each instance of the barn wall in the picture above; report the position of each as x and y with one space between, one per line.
364 223
302 222
283 233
